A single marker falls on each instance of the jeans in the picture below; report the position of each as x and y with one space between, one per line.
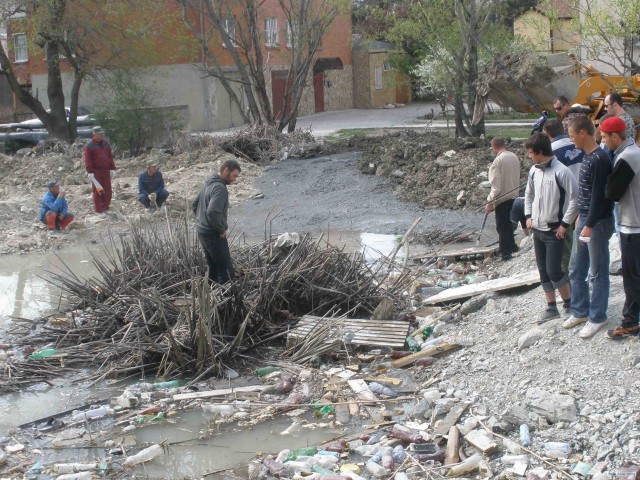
161 197
590 265
504 228
218 257
630 249
549 251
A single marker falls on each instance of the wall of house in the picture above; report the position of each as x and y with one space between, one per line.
534 27
338 88
565 37
387 94
361 79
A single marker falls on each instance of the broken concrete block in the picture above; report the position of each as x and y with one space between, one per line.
530 338
552 406
516 415
481 441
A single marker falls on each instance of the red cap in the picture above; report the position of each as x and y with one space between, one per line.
613 124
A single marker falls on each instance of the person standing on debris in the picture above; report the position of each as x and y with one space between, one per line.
100 166
561 106
211 207
614 105
623 186
590 257
151 191
54 212
518 217
504 176
550 207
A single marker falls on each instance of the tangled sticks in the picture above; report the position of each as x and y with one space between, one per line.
154 312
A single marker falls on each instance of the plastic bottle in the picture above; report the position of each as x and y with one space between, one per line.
525 437
145 455
321 470
400 476
350 468
399 455
276 469
301 452
296 466
376 470
449 284
387 461
406 436
424 362
376 387
325 461
399 353
562 446
328 453
412 344
166 385
144 419
471 464
556 454
99 412
44 353
426 332
261 372
74 467
282 455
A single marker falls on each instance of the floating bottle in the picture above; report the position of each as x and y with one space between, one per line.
44 353
166 385
99 412
145 455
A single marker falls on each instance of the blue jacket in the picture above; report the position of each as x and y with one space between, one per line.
568 154
55 204
150 184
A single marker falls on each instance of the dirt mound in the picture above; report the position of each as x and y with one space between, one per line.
23 182
430 168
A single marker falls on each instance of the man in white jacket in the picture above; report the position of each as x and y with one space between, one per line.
551 205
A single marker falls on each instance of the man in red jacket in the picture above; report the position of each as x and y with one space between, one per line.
98 161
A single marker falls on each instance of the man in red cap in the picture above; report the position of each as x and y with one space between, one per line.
100 166
623 186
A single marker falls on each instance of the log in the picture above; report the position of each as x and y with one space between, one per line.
453 446
218 393
452 418
427 352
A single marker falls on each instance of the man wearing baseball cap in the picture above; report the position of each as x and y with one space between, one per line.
151 191
623 186
54 210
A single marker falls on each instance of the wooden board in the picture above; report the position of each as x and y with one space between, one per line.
452 418
362 390
497 285
454 255
219 393
381 333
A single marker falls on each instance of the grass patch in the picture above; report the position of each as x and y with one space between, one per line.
348 133
513 132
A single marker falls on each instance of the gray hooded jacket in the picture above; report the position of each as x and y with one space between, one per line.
211 206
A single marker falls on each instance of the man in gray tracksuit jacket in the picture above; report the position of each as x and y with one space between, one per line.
211 207
623 186
551 205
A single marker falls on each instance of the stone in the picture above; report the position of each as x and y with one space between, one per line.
474 304
398 174
538 473
432 395
481 441
552 406
448 159
516 415
530 337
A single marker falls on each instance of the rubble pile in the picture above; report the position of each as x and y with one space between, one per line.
429 168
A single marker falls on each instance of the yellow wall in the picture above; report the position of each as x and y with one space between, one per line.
534 27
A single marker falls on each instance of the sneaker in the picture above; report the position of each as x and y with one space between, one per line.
507 257
573 321
621 332
590 329
550 313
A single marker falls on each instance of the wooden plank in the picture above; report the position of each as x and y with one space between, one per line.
481 441
497 285
392 381
452 418
455 253
453 446
219 393
427 352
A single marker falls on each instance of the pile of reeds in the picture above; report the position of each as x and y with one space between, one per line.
153 310
443 236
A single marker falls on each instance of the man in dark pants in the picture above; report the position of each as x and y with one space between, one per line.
211 207
151 191
504 176
623 186
551 205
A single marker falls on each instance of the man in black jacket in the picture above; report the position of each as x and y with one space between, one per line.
211 207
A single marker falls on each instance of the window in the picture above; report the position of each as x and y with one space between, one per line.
271 31
386 66
378 78
20 47
292 34
229 26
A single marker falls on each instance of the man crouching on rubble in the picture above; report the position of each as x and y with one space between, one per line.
211 207
551 205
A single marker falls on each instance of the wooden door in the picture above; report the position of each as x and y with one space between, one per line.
318 91
278 89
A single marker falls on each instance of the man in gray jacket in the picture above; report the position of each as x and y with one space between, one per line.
551 205
211 207
623 186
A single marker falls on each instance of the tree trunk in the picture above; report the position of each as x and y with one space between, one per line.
73 115
458 105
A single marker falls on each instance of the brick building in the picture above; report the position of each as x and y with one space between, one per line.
175 72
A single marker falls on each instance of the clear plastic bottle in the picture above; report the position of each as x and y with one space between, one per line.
276 469
399 455
75 476
511 459
376 470
561 446
471 464
376 387
525 437
145 455
99 412
400 476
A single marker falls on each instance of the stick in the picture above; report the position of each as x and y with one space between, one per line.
484 222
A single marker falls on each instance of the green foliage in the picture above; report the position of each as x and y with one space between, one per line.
129 116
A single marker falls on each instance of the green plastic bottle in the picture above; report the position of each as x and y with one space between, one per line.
261 372
426 332
47 352
412 344
144 419
169 384
301 452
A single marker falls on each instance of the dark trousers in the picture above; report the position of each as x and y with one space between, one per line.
549 251
161 197
505 229
630 249
218 256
